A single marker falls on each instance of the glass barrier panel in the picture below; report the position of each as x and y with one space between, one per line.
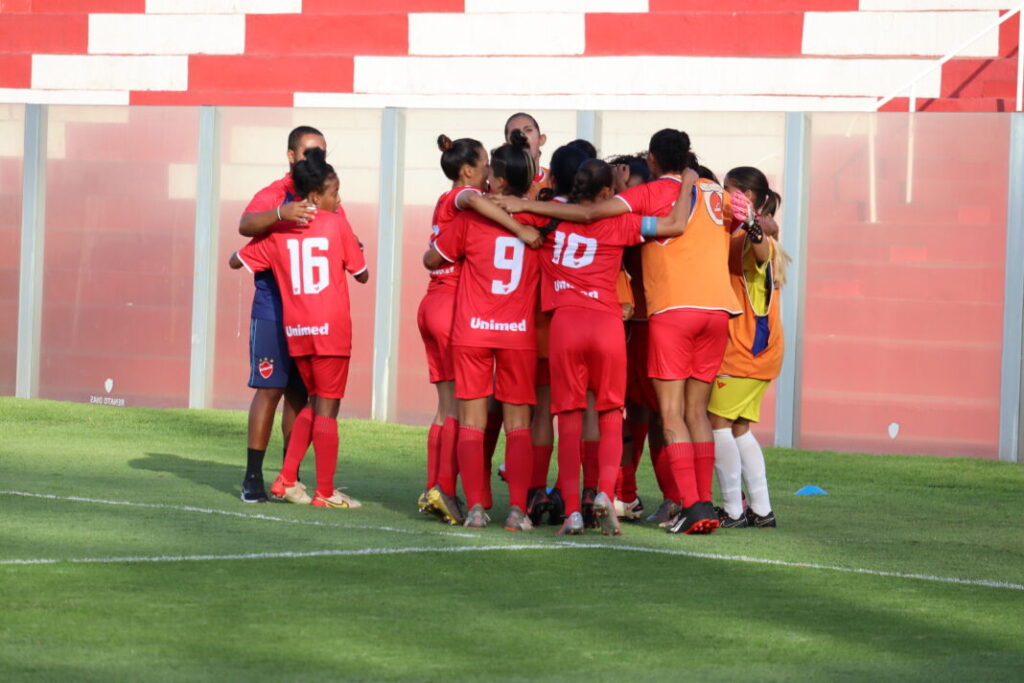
12 147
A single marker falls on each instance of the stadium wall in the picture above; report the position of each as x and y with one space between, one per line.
903 319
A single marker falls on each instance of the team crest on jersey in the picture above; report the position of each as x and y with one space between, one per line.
713 201
266 367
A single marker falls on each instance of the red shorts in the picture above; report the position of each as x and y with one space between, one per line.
543 372
687 342
588 351
434 319
324 376
510 372
639 390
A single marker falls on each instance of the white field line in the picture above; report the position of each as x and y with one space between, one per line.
555 545
231 513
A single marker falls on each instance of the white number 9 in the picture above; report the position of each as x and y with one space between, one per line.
508 255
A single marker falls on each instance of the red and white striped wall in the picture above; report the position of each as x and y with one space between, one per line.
606 54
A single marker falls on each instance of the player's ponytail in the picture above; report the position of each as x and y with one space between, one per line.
312 173
780 262
514 163
455 155
593 176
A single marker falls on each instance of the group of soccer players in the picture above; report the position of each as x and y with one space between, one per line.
637 292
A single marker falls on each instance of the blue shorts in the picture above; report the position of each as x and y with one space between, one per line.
270 366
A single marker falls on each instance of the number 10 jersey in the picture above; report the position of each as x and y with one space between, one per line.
497 295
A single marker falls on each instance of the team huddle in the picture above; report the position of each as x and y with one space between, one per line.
635 300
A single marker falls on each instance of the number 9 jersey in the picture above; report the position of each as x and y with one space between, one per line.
497 295
309 266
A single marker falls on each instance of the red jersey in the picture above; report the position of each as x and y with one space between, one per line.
445 212
497 295
309 265
581 263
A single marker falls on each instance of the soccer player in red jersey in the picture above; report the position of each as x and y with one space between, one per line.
309 266
465 163
494 343
271 371
581 263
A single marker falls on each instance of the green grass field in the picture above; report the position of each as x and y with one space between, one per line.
125 554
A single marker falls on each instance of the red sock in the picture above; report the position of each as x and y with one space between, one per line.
433 454
491 433
638 434
591 466
570 429
680 458
448 468
518 465
609 450
663 473
470 452
298 444
541 464
325 447
704 467
618 483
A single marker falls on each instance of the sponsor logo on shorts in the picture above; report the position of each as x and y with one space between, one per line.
266 367
720 384
307 330
562 285
478 324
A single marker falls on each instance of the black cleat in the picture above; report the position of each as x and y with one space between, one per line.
556 513
587 506
727 522
761 521
699 518
665 513
538 504
253 490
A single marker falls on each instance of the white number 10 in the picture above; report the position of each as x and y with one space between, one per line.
310 271
570 257
508 255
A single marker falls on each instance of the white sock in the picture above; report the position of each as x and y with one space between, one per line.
727 469
754 473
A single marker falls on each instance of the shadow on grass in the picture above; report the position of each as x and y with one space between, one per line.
214 475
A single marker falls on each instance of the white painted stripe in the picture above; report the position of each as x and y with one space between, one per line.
223 6
918 5
555 545
638 76
549 7
897 33
231 513
96 72
586 102
26 96
169 34
496 34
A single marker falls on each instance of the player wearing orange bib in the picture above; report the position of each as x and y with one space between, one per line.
753 357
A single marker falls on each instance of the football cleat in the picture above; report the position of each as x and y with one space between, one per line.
517 520
253 490
290 493
587 506
761 521
630 511
476 518
539 504
604 511
447 507
572 526
336 500
665 512
556 513
699 518
422 503
727 522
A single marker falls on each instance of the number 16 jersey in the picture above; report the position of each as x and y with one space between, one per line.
309 266
497 295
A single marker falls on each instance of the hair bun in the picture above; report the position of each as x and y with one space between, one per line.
517 138
444 143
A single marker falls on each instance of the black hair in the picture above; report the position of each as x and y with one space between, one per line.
312 173
515 116
748 178
564 163
295 137
455 155
705 172
584 146
593 176
513 162
671 149
637 165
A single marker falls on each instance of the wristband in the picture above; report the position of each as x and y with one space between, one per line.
649 226
279 214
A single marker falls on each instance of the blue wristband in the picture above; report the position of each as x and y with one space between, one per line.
649 226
